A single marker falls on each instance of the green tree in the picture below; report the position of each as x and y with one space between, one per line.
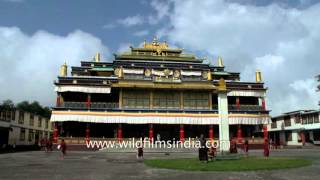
7 104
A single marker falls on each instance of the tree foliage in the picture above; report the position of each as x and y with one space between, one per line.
33 107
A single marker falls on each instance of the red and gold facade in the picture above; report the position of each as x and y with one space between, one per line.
153 90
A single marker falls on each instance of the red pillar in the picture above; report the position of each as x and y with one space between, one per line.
119 133
151 133
55 133
58 100
265 132
211 133
181 133
88 101
87 133
264 104
239 133
238 103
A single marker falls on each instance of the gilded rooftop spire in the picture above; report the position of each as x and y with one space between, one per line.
155 44
258 76
64 69
220 62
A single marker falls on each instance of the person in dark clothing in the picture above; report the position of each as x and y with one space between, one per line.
246 148
233 147
266 149
63 147
203 151
140 152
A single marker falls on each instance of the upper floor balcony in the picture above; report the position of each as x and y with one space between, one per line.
245 108
114 106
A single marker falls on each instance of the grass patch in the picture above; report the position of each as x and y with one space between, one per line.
243 164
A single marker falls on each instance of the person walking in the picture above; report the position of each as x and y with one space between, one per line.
203 151
266 149
140 151
63 147
246 148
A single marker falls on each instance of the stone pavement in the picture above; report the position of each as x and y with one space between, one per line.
109 165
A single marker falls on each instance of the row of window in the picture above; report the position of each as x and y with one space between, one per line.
32 134
165 100
304 119
31 120
7 115
10 116
310 119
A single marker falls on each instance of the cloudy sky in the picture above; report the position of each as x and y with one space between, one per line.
281 38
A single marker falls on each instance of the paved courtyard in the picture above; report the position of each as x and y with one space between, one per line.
110 165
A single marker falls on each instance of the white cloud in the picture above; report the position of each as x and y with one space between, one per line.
141 33
131 21
30 63
280 41
162 9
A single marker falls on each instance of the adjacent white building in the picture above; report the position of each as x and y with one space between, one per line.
23 128
296 128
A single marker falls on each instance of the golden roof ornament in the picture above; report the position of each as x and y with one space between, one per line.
121 74
155 44
220 62
64 70
147 72
258 76
222 85
176 74
209 76
97 57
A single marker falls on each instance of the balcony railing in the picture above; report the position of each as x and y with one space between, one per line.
245 108
93 105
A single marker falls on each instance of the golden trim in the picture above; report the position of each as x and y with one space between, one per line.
137 84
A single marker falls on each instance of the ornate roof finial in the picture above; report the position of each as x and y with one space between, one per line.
155 41
97 57
258 76
222 85
64 69
220 62
145 43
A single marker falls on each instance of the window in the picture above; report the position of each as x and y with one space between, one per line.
287 121
297 119
39 121
310 119
22 134
31 122
6 115
195 100
304 119
21 117
13 115
47 123
288 135
166 100
31 135
136 99
316 118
